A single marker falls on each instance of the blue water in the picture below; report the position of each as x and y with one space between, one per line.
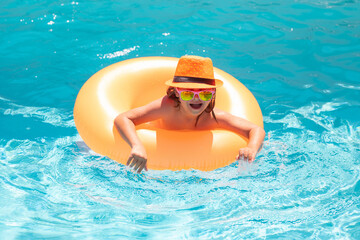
299 58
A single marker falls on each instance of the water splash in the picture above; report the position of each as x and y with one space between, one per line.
291 186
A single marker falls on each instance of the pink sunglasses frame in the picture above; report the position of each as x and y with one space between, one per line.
196 93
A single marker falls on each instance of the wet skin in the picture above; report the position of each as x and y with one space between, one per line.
184 118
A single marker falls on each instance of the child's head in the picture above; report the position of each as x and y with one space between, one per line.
194 101
194 85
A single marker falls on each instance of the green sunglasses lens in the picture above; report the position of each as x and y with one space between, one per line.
205 96
187 95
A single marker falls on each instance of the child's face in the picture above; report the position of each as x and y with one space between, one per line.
199 99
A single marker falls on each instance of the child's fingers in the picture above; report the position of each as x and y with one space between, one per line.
141 167
136 166
134 162
241 153
139 163
129 160
246 155
252 156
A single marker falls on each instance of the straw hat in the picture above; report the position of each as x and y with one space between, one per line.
194 72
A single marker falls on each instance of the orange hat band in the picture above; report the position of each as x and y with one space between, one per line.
178 79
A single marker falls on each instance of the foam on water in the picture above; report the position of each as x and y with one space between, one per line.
305 183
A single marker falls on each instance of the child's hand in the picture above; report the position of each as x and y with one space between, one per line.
138 159
247 154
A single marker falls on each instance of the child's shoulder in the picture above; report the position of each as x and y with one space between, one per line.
167 102
163 104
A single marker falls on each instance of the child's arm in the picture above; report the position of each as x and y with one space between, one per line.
254 133
125 124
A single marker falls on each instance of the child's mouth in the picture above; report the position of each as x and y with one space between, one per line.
196 106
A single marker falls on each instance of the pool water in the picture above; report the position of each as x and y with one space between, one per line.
299 58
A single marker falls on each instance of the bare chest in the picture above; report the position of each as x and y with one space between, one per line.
176 121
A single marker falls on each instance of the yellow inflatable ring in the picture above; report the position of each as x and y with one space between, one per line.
136 82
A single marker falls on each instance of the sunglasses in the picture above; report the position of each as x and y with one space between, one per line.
187 95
